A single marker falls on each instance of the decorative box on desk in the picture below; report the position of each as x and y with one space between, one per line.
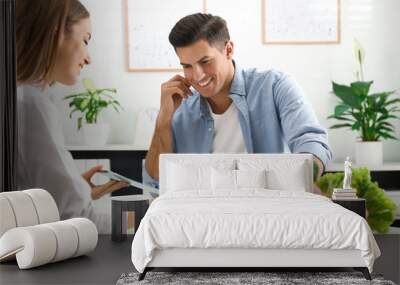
357 205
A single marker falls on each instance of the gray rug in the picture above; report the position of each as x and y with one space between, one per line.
230 278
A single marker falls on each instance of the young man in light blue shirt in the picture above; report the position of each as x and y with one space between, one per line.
266 108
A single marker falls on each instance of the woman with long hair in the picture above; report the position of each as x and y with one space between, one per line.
52 46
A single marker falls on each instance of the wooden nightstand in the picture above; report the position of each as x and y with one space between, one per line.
356 205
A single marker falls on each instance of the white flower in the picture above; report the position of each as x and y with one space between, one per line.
89 84
358 51
360 55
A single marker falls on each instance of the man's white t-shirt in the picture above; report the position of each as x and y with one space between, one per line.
228 137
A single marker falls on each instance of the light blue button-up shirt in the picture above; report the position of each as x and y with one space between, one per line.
272 114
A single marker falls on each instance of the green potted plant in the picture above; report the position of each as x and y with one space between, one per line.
90 103
381 210
368 114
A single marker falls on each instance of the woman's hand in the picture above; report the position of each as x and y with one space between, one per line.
100 190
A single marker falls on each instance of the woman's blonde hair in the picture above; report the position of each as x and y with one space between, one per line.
40 25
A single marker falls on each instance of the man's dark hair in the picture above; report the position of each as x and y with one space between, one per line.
198 26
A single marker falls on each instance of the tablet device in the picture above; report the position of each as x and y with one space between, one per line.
118 177
114 176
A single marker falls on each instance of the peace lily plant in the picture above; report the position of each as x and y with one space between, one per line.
368 114
89 104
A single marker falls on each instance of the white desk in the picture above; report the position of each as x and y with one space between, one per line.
107 147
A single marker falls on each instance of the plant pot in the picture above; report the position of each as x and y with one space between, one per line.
369 154
95 134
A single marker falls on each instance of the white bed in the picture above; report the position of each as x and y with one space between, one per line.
220 211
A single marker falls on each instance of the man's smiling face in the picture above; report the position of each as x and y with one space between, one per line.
207 67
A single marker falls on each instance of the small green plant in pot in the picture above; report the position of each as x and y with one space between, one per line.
368 114
89 104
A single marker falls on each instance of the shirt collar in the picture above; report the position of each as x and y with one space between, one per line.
238 86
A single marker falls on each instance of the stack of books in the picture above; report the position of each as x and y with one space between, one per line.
344 194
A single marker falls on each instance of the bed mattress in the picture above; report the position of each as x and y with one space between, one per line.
250 219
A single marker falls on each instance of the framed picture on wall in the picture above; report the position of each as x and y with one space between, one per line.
147 26
301 21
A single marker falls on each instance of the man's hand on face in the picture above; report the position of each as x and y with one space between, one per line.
172 93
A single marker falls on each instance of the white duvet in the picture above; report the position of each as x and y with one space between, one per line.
250 218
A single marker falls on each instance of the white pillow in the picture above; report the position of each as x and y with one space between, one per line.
181 177
225 179
188 175
282 174
251 178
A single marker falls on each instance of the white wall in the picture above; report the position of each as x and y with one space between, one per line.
376 24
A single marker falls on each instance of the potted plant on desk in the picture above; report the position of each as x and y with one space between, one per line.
368 114
90 103
381 210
